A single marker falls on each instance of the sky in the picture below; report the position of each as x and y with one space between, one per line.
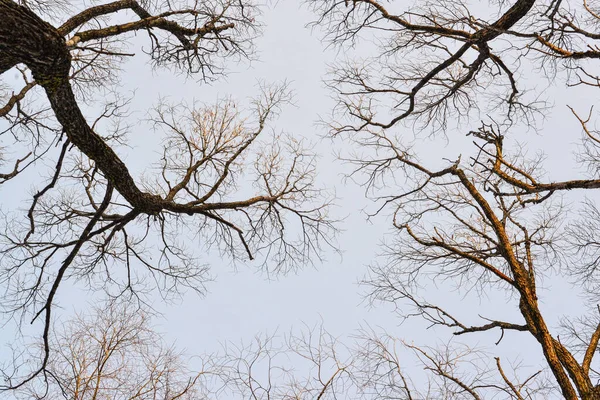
242 301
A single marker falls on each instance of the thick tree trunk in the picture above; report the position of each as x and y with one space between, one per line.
26 38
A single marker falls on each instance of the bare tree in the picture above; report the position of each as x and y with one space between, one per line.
489 219
115 354
222 176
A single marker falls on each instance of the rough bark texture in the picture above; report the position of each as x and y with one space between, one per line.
26 38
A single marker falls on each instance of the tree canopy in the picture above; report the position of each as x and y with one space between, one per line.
484 220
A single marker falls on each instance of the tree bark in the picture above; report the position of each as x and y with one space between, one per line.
26 38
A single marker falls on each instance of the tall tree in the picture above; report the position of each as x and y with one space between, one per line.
92 221
488 219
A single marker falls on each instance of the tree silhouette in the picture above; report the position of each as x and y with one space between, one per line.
486 220
489 219
92 221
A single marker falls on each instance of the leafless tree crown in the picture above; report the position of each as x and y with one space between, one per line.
487 221
223 177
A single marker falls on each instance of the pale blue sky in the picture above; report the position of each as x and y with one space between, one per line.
242 302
